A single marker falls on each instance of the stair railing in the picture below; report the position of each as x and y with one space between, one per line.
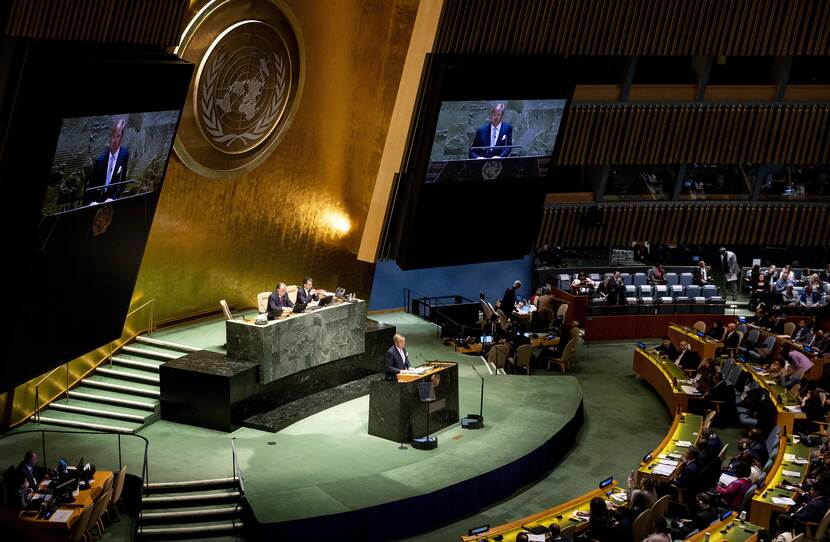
237 470
113 347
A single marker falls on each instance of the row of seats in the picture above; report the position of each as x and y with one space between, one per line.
692 291
660 305
635 279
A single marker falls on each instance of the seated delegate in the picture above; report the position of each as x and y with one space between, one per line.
306 293
277 301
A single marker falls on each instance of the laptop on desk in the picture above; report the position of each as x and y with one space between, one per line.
300 307
325 301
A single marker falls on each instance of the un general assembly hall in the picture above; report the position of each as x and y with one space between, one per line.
415 270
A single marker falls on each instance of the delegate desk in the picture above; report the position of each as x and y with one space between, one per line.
729 530
572 513
663 464
788 471
704 346
396 411
58 527
666 378
296 342
788 408
815 372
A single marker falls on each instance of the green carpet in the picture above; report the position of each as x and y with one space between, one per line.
624 419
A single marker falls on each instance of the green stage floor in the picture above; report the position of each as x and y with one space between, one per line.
327 463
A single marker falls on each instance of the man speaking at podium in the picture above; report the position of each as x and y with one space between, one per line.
494 139
396 357
109 168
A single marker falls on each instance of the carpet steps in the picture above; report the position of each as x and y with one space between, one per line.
149 366
148 352
169 345
128 373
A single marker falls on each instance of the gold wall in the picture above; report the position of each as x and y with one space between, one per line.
303 211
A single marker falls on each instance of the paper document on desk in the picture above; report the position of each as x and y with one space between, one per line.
794 408
800 461
663 470
61 516
726 479
684 444
791 473
783 501
669 462
690 390
620 497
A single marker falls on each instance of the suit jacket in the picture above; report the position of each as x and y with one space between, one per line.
482 139
30 475
670 351
276 303
813 510
394 362
730 340
304 297
729 263
689 359
508 302
99 177
698 274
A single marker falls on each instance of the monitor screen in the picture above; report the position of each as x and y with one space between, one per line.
105 158
494 139
605 483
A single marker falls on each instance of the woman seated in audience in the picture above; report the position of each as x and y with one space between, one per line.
646 487
814 406
811 297
657 275
602 525
733 495
605 288
582 284
717 331
759 289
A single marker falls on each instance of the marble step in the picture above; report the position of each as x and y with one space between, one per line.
46 418
136 364
188 499
119 386
191 485
195 530
127 374
111 399
148 353
100 412
151 341
186 514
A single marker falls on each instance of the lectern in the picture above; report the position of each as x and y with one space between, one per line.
396 412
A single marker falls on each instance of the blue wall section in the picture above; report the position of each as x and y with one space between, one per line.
467 280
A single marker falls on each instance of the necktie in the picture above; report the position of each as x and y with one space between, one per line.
109 170
494 134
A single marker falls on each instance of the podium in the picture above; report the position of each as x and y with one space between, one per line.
396 411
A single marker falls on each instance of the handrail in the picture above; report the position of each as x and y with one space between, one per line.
237 470
36 411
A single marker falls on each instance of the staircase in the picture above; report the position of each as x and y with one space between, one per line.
195 509
122 396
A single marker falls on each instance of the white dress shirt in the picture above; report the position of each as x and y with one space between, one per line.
403 356
113 158
494 134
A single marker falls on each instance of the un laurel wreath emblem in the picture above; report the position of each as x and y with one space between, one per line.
102 220
246 89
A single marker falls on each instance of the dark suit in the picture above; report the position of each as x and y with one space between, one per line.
394 362
669 351
688 359
730 340
813 510
508 302
30 473
699 280
304 297
276 303
99 177
482 139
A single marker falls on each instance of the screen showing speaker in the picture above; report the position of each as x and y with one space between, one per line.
494 139
105 158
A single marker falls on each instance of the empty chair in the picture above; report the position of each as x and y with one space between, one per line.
748 498
726 366
645 290
715 305
497 357
523 356
639 279
666 305
698 305
676 291
682 305
767 345
646 305
99 507
749 341
671 279
594 276
564 282
630 291
789 328
700 325
632 305
661 290
626 278
262 302
116 502
686 279
640 527
565 361
693 290
81 528
225 309
709 290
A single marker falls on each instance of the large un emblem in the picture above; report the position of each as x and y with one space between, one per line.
246 89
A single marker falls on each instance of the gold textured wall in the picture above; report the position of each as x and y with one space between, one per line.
214 239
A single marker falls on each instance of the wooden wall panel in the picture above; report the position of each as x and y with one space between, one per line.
137 22
688 223
701 132
636 27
